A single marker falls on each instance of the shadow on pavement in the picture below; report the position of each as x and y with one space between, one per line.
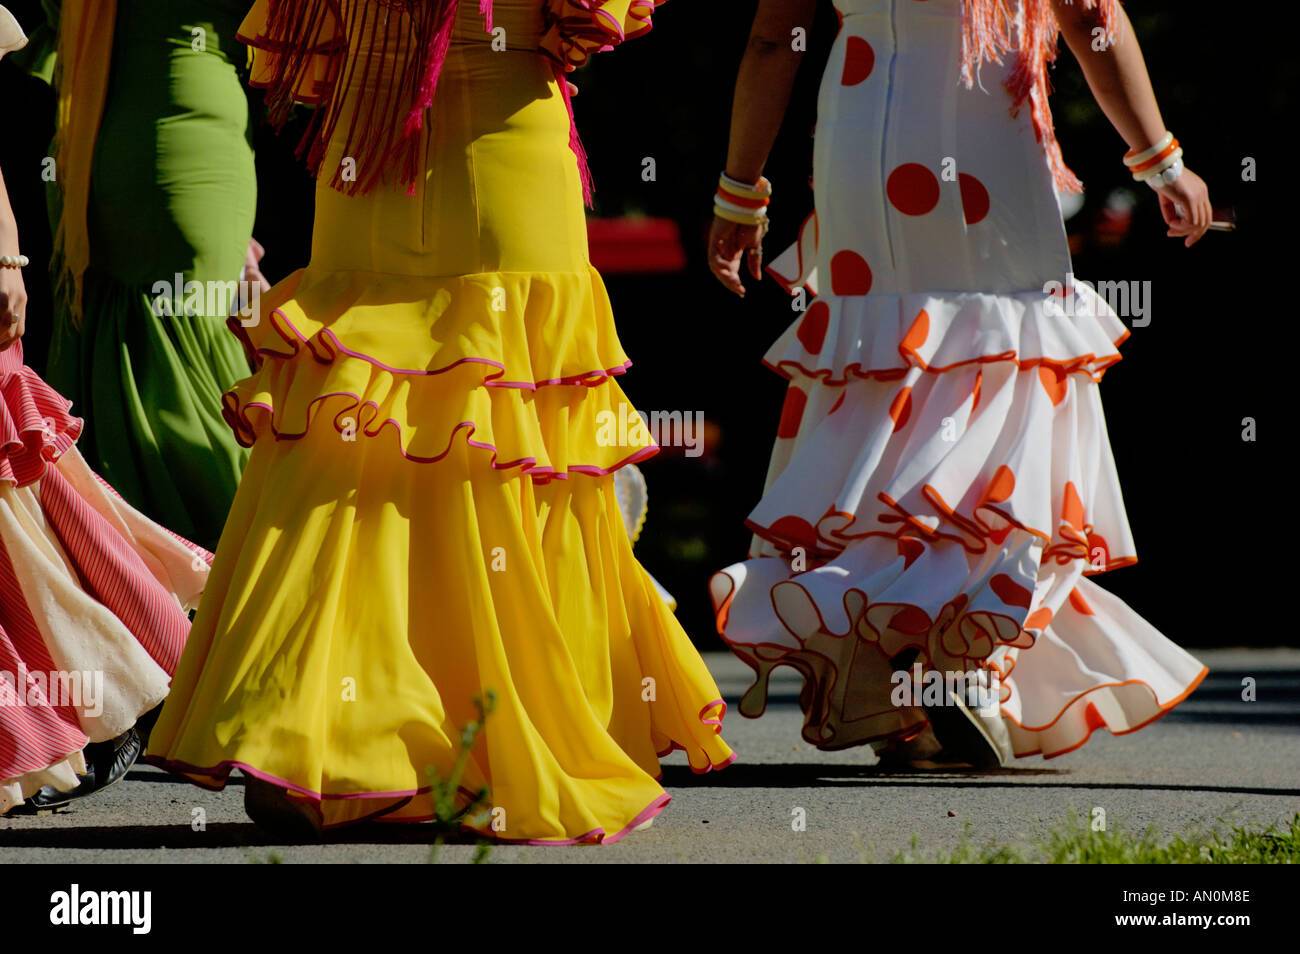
806 775
223 835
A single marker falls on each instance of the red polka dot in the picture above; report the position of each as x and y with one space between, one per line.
911 620
1038 619
859 58
1010 592
791 412
795 530
974 198
1098 551
1093 718
1079 603
1001 486
910 548
850 274
913 189
1072 507
812 328
839 402
1054 382
917 333
901 409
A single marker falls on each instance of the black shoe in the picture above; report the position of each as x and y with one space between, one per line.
144 725
47 798
272 810
106 763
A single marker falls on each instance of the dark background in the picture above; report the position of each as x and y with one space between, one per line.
1210 512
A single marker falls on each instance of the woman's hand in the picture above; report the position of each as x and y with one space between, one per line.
252 267
728 243
1185 204
13 307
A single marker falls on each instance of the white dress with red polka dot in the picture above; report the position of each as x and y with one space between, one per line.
942 479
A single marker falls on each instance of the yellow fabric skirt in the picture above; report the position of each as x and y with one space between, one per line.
428 513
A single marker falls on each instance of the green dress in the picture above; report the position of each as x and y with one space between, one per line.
173 193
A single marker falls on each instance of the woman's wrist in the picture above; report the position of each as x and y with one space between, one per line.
739 172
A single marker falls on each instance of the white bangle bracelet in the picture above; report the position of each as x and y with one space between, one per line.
14 261
1146 154
1166 176
1167 163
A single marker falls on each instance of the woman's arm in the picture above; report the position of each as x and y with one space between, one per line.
1118 78
762 93
13 294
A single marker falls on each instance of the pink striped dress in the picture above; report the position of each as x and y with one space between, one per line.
94 597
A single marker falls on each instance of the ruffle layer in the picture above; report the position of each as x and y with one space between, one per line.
575 29
883 336
518 365
35 426
840 623
319 68
61 775
967 456
1068 328
87 586
1097 666
536 595
1092 663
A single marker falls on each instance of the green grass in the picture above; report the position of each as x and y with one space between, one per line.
1076 843
448 817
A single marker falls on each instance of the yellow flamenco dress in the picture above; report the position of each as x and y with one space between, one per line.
429 510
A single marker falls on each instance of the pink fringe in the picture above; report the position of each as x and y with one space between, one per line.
575 142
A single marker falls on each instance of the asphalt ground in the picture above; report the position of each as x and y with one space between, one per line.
1215 760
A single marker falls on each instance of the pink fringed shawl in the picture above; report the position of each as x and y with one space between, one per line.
991 28
311 51
305 46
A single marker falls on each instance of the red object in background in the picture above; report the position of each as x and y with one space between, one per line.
635 244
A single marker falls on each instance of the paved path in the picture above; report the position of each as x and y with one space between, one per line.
1215 757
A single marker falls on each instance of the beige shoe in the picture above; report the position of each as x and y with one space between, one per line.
969 733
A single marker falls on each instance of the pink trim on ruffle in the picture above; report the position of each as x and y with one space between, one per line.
220 774
35 426
586 378
237 417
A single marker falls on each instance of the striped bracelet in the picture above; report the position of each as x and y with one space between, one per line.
741 202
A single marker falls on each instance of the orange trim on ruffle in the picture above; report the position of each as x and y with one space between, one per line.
1164 711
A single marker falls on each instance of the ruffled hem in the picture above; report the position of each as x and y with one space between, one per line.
35 426
1092 664
215 777
1068 329
60 775
968 457
519 365
325 50
575 29
883 336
